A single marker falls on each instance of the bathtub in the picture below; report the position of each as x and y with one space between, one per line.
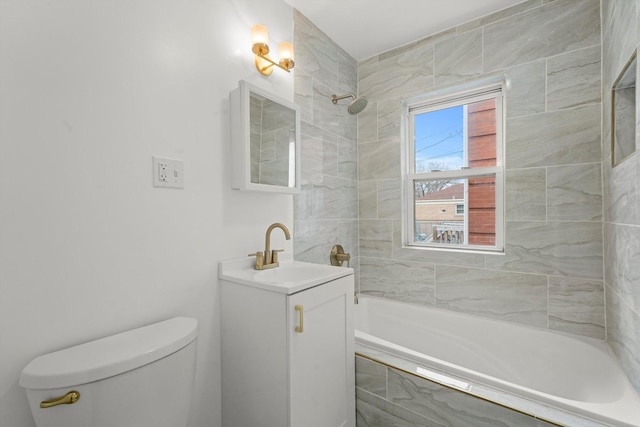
572 375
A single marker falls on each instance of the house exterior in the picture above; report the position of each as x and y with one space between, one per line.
440 214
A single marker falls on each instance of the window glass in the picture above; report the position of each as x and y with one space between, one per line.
436 205
439 138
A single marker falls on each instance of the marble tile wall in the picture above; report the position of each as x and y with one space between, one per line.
620 37
390 397
551 275
326 212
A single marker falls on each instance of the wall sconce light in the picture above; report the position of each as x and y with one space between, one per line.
264 64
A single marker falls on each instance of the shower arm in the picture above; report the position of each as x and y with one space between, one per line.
335 98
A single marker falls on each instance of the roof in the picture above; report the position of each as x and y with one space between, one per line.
455 192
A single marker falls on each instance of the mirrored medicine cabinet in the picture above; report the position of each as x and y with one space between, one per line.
623 113
265 141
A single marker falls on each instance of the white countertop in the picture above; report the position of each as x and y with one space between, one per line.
288 278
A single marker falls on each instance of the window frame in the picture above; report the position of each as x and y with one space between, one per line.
437 100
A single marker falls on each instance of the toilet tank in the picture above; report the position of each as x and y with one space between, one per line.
143 377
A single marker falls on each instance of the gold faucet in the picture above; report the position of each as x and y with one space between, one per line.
269 259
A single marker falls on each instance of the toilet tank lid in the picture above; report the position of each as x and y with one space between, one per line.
110 356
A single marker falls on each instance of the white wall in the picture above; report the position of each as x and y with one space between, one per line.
89 91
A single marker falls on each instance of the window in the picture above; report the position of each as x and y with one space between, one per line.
453 173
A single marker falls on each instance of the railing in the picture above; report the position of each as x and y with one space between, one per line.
448 233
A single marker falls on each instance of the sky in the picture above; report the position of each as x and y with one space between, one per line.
439 139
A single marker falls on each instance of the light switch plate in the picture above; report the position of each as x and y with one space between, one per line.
168 173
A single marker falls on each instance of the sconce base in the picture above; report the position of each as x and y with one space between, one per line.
260 49
287 64
263 66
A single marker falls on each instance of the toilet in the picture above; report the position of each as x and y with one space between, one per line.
143 377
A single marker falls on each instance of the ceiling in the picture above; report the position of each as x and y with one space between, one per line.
365 28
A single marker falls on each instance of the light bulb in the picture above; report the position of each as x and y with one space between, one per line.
259 34
285 50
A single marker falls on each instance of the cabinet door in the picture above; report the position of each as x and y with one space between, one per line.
321 356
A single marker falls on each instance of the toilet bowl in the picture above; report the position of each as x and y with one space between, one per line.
143 377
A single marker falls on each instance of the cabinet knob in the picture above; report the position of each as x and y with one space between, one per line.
300 310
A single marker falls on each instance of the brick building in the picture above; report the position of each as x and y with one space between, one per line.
481 130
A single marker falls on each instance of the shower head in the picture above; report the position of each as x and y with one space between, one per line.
357 105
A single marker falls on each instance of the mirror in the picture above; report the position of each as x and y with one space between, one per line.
623 113
265 141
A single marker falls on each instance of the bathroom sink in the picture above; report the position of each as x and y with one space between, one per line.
290 277
292 272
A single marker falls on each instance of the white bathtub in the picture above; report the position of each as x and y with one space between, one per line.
579 376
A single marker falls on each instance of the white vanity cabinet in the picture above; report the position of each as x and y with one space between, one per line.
287 353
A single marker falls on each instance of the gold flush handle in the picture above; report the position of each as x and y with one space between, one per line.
300 311
68 399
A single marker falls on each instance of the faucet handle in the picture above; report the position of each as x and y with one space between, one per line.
274 255
259 261
337 256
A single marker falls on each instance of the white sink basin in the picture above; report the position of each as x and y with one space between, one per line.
290 277
292 272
